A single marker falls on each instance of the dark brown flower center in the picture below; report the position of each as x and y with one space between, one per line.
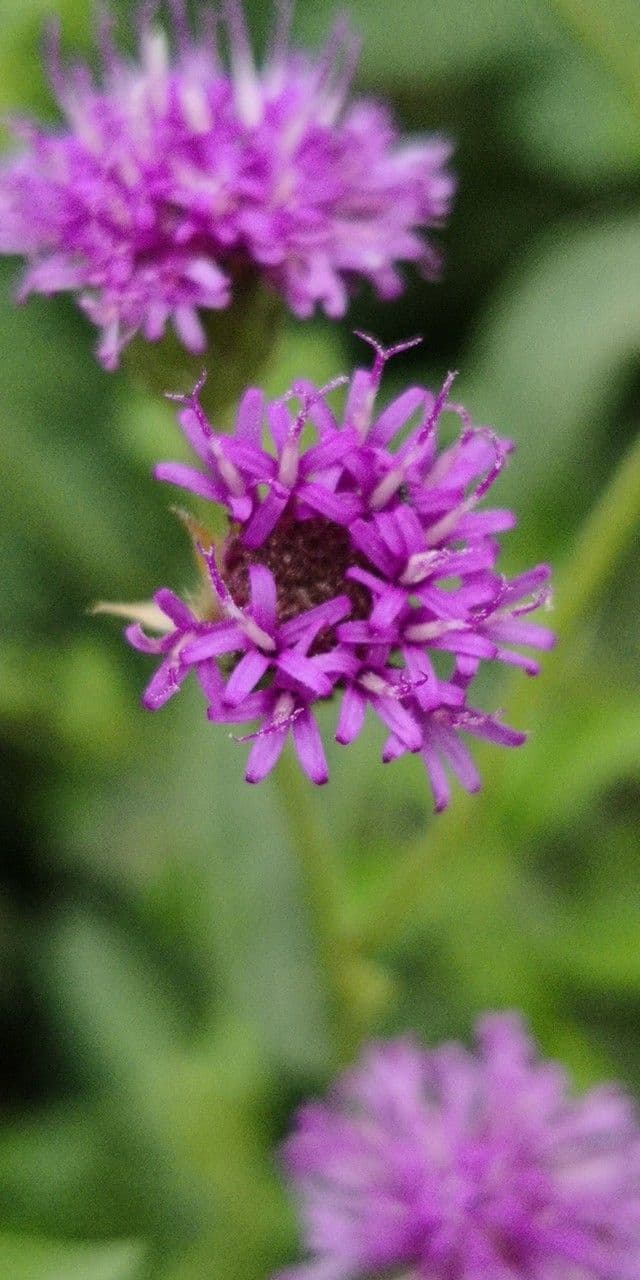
308 559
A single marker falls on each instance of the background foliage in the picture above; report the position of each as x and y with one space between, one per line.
161 1004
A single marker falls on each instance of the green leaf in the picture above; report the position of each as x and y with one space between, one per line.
435 41
599 948
551 355
186 817
66 499
72 694
33 1259
579 746
70 1170
573 123
23 85
124 1013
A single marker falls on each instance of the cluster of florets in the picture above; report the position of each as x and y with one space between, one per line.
451 1165
349 565
177 176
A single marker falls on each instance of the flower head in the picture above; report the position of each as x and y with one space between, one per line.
176 176
358 566
452 1165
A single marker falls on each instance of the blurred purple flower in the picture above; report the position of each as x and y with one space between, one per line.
452 1165
176 176
348 565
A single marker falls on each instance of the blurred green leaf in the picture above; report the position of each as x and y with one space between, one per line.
62 498
572 122
124 1012
185 813
611 37
70 1170
613 965
583 738
439 40
550 358
73 695
24 1259
23 83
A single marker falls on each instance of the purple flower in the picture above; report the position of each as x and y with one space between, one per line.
357 566
176 176
446 1164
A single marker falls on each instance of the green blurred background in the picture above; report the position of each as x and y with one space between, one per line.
161 1004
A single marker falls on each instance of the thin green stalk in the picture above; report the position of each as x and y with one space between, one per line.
594 24
606 533
604 536
325 894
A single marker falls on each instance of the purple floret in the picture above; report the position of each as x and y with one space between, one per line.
357 567
447 1164
176 176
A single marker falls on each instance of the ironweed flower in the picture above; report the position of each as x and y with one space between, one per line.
446 1164
357 565
176 177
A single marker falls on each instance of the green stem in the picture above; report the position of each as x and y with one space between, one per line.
325 895
595 26
605 535
241 344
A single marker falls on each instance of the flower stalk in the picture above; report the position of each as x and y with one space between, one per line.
323 889
241 343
